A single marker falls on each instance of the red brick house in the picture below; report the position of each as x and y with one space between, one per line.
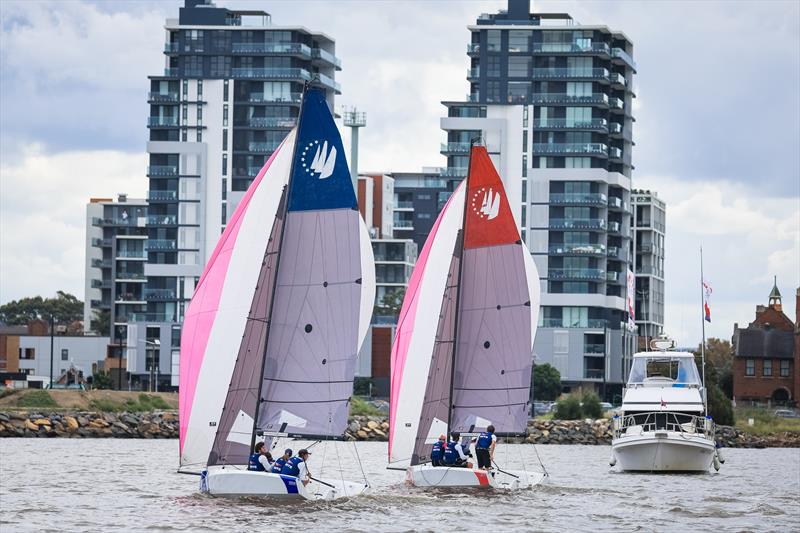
766 362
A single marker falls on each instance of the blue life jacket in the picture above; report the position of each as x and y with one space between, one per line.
277 466
291 468
450 454
484 441
437 450
254 463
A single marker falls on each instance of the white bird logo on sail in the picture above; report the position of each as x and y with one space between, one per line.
490 206
324 161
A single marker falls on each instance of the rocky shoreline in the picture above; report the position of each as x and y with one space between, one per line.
164 425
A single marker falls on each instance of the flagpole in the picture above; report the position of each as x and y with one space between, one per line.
703 322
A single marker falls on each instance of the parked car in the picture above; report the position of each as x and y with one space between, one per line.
541 408
606 406
786 413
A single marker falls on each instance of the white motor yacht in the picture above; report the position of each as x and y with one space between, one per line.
663 426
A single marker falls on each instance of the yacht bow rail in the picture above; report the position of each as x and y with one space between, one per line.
659 421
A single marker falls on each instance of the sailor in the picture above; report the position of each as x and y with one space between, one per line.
454 452
437 451
261 460
296 466
484 448
277 466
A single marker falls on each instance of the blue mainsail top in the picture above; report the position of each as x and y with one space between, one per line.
321 178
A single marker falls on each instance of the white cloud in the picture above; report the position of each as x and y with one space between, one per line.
43 215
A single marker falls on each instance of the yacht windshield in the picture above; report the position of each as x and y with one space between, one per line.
675 370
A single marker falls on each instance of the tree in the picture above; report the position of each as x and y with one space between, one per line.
546 382
568 408
391 303
65 307
101 323
101 380
719 364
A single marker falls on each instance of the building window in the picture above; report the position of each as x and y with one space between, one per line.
184 134
524 165
200 89
525 141
785 368
767 369
518 40
493 91
493 66
64 354
199 135
185 89
199 114
224 188
750 367
524 190
493 40
225 122
225 90
225 139
27 353
224 164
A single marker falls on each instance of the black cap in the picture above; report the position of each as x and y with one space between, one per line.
304 452
287 451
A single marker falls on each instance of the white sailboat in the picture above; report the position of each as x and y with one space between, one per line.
271 337
461 358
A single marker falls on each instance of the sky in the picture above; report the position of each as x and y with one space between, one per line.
717 127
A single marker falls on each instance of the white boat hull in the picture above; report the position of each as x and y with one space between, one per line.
427 476
664 451
239 482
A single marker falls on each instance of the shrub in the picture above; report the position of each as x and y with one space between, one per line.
359 407
590 407
36 398
568 408
361 386
719 406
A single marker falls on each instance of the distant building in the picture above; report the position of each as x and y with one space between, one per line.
649 223
419 197
766 355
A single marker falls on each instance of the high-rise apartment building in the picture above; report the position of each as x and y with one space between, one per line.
649 215
551 100
419 197
229 94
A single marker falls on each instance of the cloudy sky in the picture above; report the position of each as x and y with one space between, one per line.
717 124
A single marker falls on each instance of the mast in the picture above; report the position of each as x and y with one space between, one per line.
703 322
287 189
458 289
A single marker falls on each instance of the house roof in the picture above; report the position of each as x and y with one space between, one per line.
764 343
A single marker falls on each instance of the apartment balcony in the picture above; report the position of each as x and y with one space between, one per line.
172 48
160 294
620 55
404 205
162 196
578 198
270 122
284 98
590 274
571 48
130 298
101 243
615 128
163 98
473 48
615 154
171 73
404 224
130 276
644 248
131 254
100 304
160 245
101 283
594 348
615 252
116 222
329 82
263 147
595 124
612 276
285 49
591 323
151 317
649 270
271 73
577 249
327 57
162 170
599 149
614 227
618 80
570 73
162 122
577 223
615 203
473 73
616 104
162 220
593 373
561 98
455 148
453 172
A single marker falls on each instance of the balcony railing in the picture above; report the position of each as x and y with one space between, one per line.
170 73
263 147
614 153
271 122
570 48
455 147
159 294
151 317
404 224
577 223
578 198
172 47
618 79
616 103
101 283
612 276
101 304
615 127
592 373
560 98
623 55
453 172
594 323
576 273
404 204
156 196
275 73
162 121
163 97
570 148
118 221
556 73
571 124
162 220
162 170
160 245
614 227
473 48
131 254
272 48
294 98
594 348
644 248
319 53
127 276
329 82
614 202
577 249
101 242
473 73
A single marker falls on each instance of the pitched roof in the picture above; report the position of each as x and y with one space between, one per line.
764 343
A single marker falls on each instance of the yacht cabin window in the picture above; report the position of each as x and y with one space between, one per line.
678 371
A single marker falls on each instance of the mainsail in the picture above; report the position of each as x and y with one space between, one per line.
467 323
272 334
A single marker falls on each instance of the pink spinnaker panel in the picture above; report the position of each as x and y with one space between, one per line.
200 315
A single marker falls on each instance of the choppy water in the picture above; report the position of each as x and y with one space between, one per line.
131 485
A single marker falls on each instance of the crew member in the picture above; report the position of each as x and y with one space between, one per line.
454 452
277 466
484 448
261 460
437 451
296 466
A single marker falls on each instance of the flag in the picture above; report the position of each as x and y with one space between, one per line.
631 279
706 297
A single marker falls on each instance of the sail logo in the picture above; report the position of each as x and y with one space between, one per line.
323 161
486 203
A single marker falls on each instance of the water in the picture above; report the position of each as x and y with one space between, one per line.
113 485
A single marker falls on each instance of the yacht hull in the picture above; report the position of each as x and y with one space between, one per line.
663 452
233 482
426 476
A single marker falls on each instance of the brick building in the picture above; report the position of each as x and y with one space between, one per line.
766 364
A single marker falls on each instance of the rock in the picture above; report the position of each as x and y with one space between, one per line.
4 418
18 416
42 422
372 424
379 433
129 419
72 424
83 421
31 426
353 426
385 426
361 434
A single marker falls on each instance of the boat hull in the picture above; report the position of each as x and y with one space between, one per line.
426 476
233 482
663 452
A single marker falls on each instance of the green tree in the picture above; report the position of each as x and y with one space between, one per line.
546 383
101 323
64 307
101 380
719 406
391 303
719 363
